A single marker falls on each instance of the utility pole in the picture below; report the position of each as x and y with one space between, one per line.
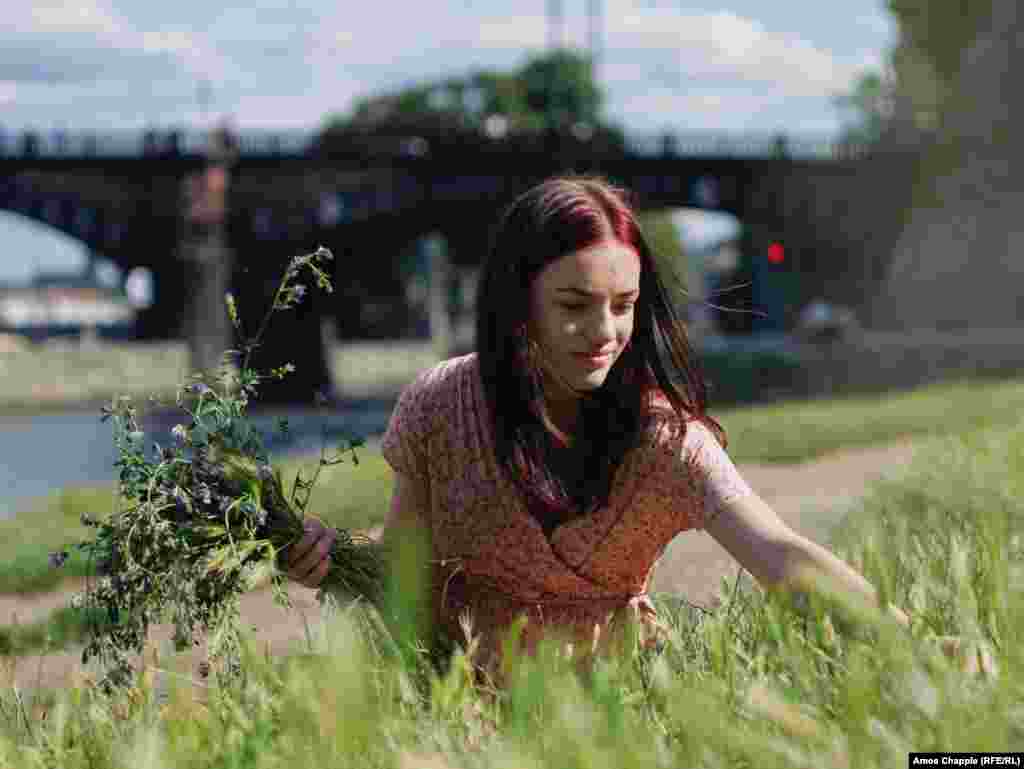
556 40
556 25
594 34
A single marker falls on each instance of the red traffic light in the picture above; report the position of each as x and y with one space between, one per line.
776 253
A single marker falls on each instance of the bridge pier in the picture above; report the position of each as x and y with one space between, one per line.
207 259
207 273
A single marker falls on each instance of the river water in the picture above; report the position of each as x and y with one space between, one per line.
42 454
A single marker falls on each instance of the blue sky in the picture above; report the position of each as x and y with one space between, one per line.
738 66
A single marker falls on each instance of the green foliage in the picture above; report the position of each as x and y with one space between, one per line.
786 432
926 63
941 30
798 431
549 91
762 680
63 627
560 85
205 518
868 105
663 237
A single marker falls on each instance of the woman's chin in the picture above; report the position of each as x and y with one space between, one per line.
593 380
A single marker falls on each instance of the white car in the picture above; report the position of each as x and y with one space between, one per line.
820 321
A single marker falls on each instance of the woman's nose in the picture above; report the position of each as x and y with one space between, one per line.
602 331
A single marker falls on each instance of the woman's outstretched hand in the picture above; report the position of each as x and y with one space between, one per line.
972 657
307 560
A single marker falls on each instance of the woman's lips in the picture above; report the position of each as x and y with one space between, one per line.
595 361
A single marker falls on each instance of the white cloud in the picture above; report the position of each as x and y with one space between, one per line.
425 35
726 45
305 109
78 16
524 31
167 41
879 25
698 110
91 37
736 37
289 65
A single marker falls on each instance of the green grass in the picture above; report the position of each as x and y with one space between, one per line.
354 497
64 627
792 432
49 377
758 682
358 497
60 376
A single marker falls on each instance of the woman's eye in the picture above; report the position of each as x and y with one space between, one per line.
574 307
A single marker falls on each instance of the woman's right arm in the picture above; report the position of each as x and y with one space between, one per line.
409 506
307 560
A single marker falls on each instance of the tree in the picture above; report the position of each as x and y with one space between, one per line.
926 61
549 92
940 30
560 87
869 104
662 235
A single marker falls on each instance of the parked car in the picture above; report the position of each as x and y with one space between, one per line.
821 321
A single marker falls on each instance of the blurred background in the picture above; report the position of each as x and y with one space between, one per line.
832 191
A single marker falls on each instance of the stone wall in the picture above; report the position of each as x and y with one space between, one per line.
959 260
839 223
876 362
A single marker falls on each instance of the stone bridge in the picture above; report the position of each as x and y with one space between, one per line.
204 220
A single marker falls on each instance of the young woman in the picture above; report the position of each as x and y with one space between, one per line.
551 468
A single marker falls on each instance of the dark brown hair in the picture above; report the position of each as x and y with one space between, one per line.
555 218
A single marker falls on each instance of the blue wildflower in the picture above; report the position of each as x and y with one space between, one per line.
57 559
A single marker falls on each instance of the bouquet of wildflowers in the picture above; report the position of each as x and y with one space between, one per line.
204 520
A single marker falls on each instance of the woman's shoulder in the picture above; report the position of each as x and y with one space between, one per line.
441 379
436 392
666 428
424 409
661 411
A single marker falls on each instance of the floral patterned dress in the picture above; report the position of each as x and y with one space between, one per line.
493 560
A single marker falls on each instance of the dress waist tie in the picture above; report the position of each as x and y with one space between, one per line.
639 606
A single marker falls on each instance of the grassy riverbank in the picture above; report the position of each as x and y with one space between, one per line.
60 376
358 497
758 682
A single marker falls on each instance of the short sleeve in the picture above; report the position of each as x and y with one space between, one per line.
405 441
714 473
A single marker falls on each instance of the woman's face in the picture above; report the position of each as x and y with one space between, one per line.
582 304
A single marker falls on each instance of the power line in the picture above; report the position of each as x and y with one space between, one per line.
556 25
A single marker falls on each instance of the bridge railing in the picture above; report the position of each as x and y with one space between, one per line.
741 146
56 144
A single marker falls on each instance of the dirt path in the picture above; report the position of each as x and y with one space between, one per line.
810 497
